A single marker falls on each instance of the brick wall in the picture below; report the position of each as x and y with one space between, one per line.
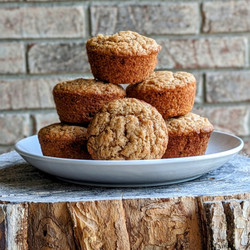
42 42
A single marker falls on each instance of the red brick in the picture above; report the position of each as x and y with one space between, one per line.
42 120
13 127
159 18
58 57
221 52
233 86
228 118
42 22
199 87
12 58
226 16
27 93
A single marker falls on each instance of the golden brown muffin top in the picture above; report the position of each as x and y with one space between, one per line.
189 123
162 80
84 86
127 129
63 132
124 43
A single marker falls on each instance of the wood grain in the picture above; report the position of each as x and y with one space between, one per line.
160 223
99 225
163 223
50 226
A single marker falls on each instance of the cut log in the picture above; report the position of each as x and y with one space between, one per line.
38 211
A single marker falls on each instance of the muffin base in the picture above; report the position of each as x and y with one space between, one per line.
78 109
170 103
187 145
121 69
73 149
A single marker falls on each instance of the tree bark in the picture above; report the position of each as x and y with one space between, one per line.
227 224
169 223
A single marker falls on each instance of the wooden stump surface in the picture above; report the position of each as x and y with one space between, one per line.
38 211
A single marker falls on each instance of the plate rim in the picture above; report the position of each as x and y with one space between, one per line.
125 162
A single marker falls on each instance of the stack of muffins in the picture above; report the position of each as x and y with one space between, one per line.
102 121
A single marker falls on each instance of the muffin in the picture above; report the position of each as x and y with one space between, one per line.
125 57
64 141
77 101
171 93
127 129
188 135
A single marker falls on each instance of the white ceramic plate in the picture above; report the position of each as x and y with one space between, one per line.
221 148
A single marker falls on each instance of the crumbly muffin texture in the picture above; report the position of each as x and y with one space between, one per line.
153 123
188 136
125 57
172 94
127 129
124 43
88 86
161 80
63 132
79 100
64 141
189 123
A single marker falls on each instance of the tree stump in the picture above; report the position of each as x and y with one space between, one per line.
38 211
